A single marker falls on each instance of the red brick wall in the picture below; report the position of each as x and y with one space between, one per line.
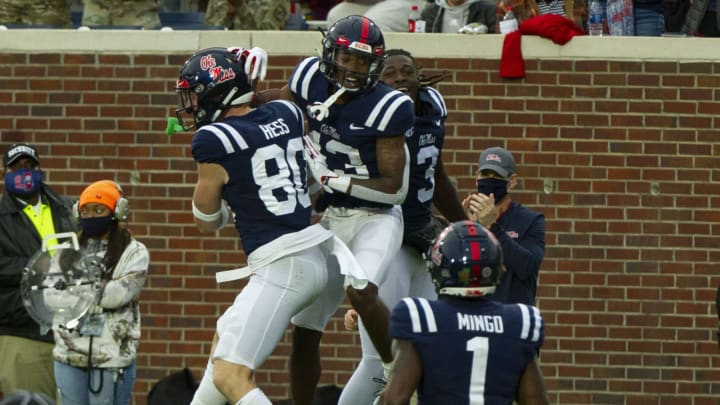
621 157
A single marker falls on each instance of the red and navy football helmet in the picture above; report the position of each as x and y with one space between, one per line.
210 82
357 35
465 260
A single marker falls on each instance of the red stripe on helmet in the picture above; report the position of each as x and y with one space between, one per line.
476 269
475 250
471 229
365 30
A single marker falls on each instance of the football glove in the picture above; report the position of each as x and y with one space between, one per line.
254 60
329 180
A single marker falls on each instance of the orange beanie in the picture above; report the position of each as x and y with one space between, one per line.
103 192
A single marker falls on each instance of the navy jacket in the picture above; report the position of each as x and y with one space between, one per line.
522 236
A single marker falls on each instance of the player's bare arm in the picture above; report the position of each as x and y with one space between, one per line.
393 166
531 390
209 213
405 376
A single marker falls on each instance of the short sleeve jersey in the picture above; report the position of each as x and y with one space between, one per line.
472 351
425 146
348 135
262 152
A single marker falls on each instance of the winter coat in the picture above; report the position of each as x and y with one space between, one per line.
19 241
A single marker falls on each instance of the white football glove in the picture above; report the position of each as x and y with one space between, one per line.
254 60
320 111
330 180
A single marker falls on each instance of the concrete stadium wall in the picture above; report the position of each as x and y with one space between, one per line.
616 141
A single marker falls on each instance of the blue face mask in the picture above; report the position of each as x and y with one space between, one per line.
491 185
23 183
96 226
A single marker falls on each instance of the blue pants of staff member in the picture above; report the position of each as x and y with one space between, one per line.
116 387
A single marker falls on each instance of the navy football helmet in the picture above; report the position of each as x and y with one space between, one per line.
465 260
359 36
210 82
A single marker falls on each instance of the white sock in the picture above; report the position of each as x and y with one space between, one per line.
207 393
254 397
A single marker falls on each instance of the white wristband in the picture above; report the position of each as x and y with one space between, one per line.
225 215
341 184
209 217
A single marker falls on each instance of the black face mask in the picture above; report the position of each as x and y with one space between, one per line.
96 226
491 185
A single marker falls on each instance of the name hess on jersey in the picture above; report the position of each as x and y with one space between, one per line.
426 139
275 129
482 323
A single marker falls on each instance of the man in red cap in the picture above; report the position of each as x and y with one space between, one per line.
29 210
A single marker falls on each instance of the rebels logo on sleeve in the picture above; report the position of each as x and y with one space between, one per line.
425 146
348 136
472 351
262 153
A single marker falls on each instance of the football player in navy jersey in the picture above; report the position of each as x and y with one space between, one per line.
429 184
251 169
357 153
465 348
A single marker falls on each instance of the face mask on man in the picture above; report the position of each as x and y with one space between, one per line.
94 227
24 183
494 186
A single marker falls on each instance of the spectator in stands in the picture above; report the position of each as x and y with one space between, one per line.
675 11
319 8
702 19
349 7
248 14
522 10
451 15
126 12
649 18
565 8
34 12
388 15
575 10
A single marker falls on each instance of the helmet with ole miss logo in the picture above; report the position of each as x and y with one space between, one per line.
211 81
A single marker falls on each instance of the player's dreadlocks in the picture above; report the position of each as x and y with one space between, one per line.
423 81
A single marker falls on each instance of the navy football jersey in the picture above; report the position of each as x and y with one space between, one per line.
472 351
347 137
425 145
263 155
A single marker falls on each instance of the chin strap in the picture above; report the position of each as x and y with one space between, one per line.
467 291
320 111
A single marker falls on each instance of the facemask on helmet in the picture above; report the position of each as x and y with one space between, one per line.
210 82
358 37
465 260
